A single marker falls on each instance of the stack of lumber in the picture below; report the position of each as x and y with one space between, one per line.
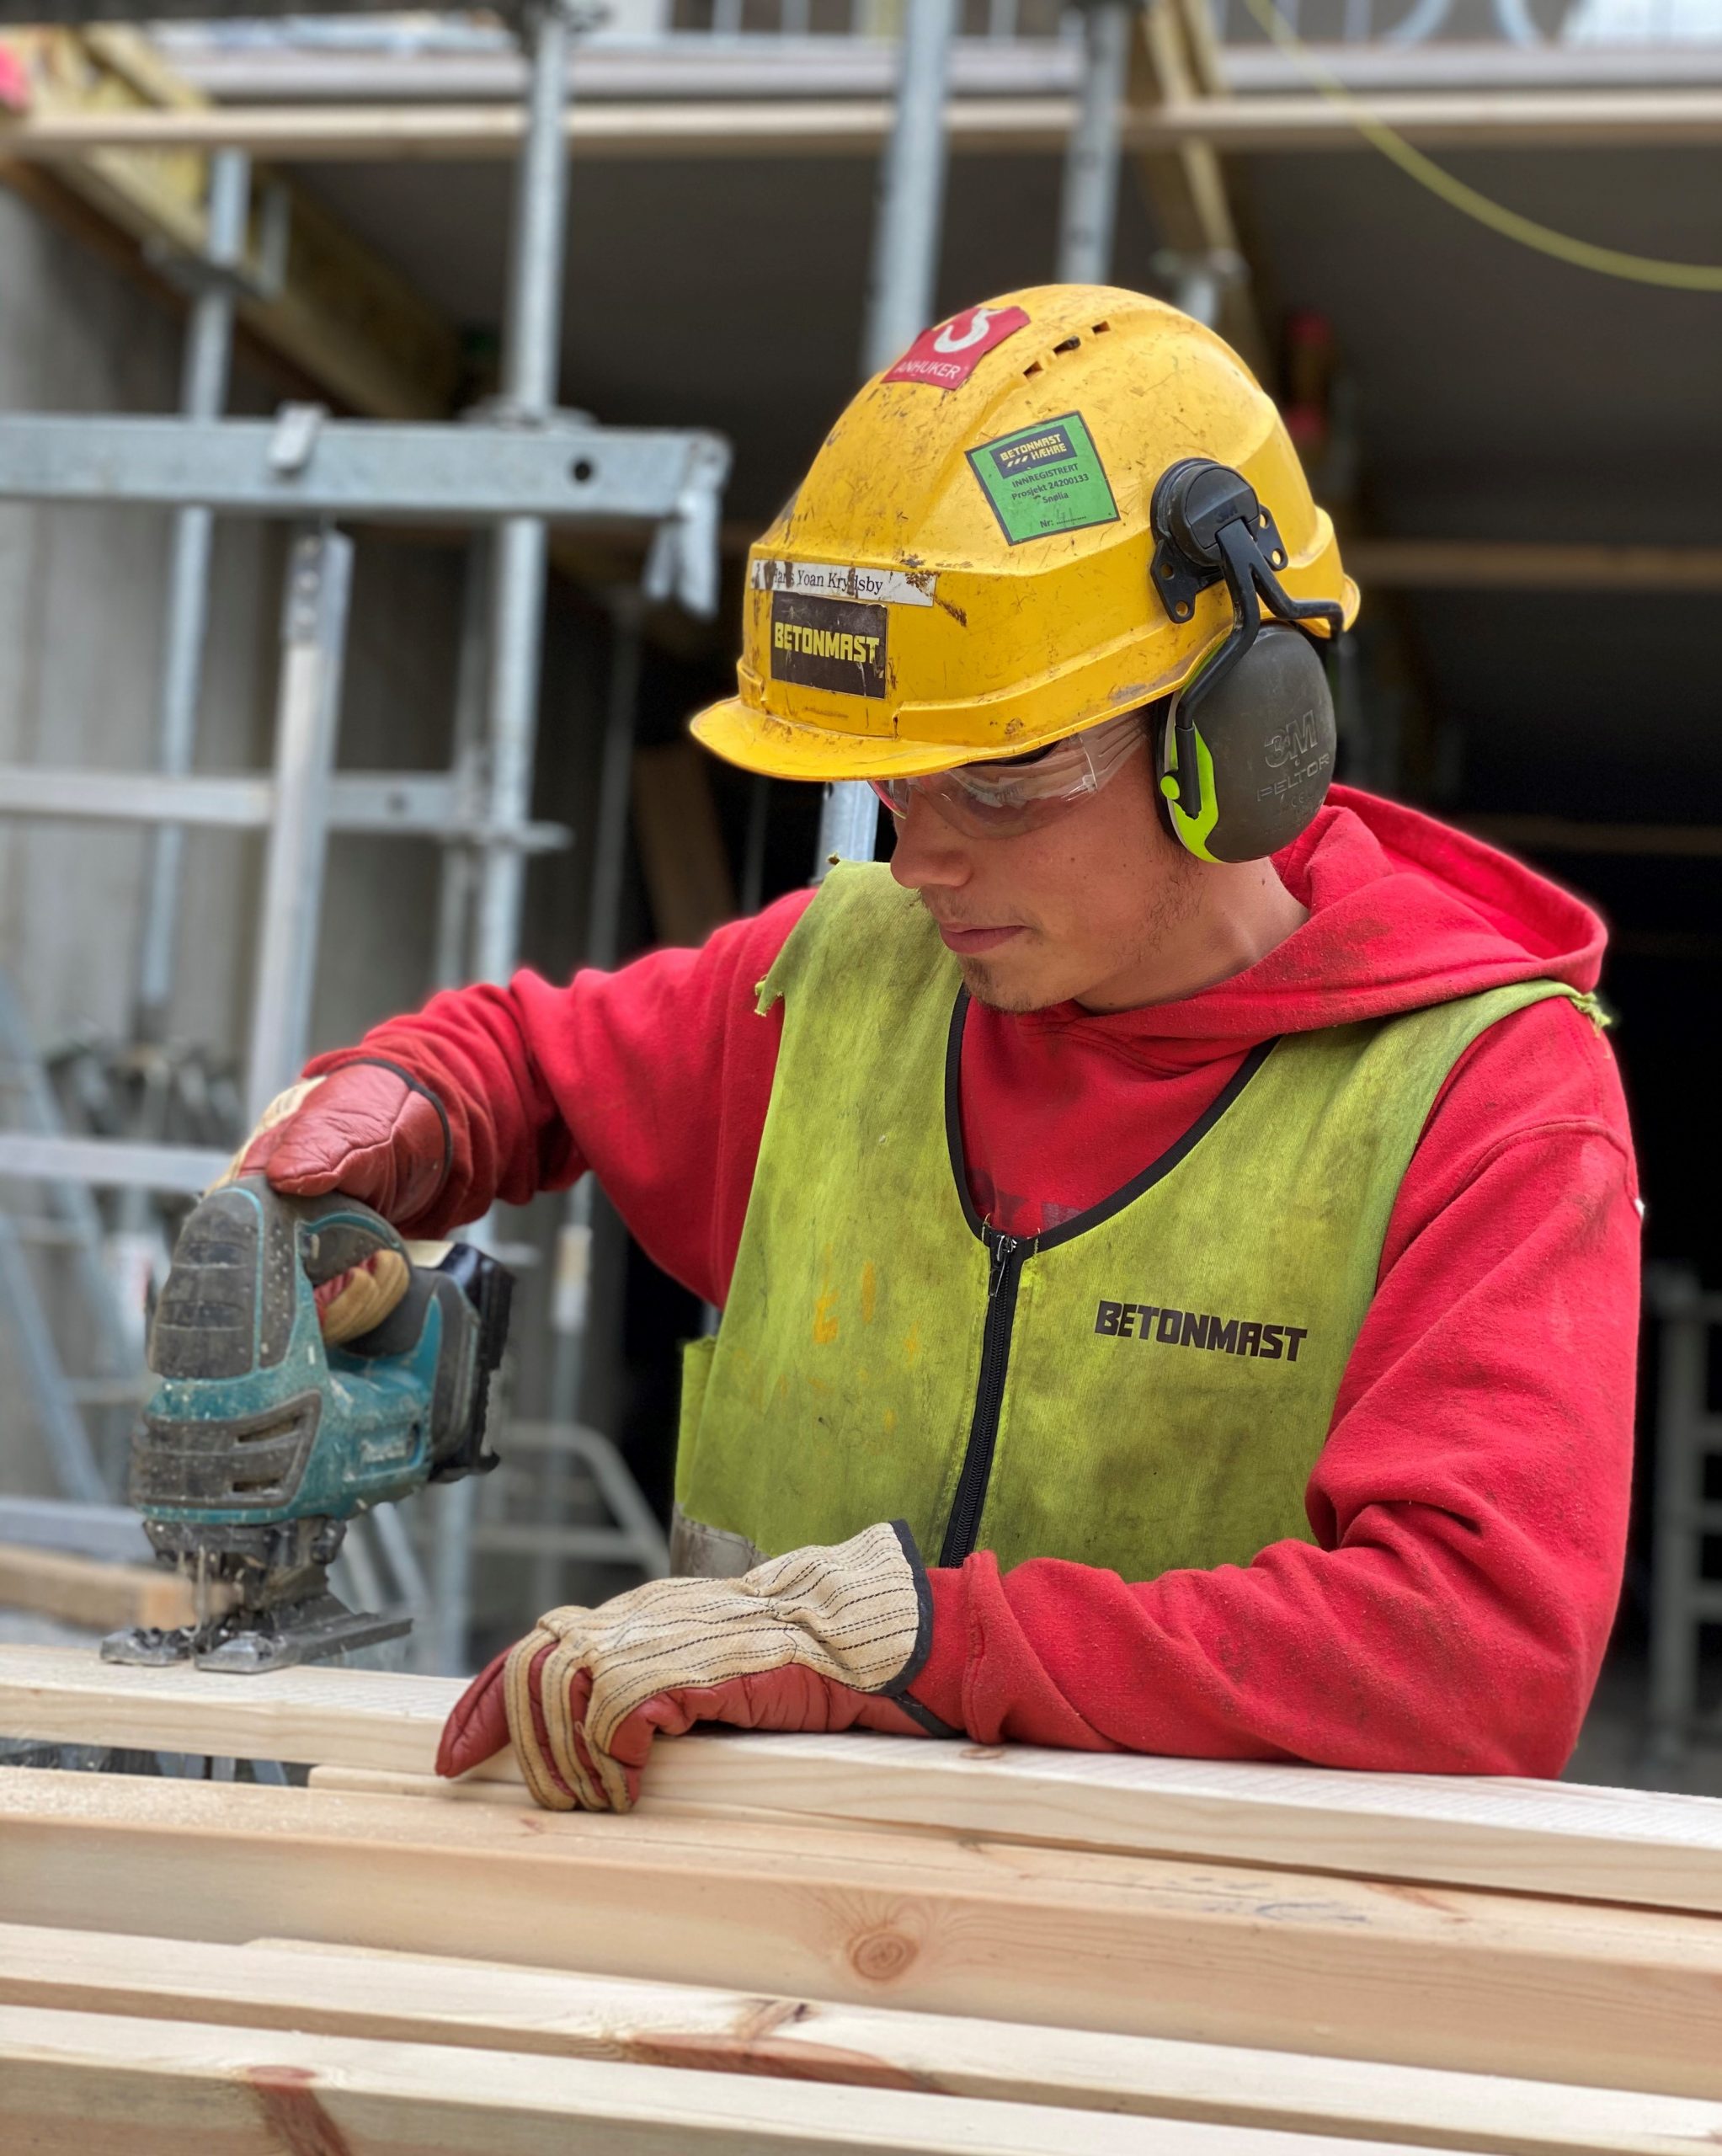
825 1944
91 1592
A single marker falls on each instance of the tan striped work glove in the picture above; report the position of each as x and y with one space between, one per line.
819 1639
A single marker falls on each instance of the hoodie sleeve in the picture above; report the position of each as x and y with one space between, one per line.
657 1077
1470 1507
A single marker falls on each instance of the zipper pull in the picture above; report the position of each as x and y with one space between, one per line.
1003 1249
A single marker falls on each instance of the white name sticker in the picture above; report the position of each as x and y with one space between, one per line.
844 580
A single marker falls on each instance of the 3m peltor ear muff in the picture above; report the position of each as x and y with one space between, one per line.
1249 779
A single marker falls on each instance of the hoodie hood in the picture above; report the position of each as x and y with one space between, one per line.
1403 912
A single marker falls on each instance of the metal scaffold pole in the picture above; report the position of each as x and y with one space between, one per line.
313 651
209 344
132 1249
570 1302
911 201
900 301
531 347
1088 207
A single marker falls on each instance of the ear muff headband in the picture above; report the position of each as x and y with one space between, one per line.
1208 523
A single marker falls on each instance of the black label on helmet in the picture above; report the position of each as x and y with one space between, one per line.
828 643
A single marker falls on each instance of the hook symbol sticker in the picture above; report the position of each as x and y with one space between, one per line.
944 356
948 340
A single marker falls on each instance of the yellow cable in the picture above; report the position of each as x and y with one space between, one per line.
1582 253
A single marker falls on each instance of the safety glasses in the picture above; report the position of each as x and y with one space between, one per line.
998 800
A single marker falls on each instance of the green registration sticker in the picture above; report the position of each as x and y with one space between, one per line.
1044 479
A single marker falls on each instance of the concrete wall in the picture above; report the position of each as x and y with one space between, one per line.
82 595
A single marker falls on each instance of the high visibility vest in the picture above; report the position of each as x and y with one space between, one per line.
1144 1387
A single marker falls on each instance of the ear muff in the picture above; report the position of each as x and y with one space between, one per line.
1263 747
1250 778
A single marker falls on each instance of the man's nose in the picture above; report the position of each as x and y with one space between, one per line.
929 855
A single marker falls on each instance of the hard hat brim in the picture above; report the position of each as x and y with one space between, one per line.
760 741
774 747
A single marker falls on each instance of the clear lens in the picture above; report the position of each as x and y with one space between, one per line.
997 800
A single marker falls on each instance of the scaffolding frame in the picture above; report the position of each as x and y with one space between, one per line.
524 467
1684 1600
507 480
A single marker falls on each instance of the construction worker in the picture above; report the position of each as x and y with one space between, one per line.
1176 1225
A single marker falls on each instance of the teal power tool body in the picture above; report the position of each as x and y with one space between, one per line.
261 1441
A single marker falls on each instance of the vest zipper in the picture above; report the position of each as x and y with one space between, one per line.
1007 1254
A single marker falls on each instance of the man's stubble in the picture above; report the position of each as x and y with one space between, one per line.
1175 901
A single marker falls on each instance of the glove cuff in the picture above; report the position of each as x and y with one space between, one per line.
896 1691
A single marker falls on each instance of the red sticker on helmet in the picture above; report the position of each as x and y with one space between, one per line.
945 355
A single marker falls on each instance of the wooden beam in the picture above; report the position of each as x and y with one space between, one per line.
1513 565
399 1999
1205 56
683 862
845 127
1568 834
476 1789
353 1717
1277 1961
1183 180
1528 120
344 316
1525 1837
85 1590
74 2083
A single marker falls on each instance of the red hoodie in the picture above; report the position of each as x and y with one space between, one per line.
1470 1504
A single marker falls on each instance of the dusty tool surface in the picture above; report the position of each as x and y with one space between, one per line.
265 1437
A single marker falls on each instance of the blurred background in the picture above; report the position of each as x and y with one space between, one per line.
270 773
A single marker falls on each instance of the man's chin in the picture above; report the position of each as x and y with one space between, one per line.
994 986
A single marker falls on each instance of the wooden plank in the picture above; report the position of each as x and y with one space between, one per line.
682 856
1573 834
79 2083
351 1717
1473 1983
85 1591
471 1789
1527 1837
794 127
402 1999
1536 565
1184 184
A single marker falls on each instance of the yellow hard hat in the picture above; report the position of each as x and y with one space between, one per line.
965 571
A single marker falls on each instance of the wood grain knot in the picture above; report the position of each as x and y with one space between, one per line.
882 1955
293 2117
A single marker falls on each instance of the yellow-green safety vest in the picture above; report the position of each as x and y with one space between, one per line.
1143 1387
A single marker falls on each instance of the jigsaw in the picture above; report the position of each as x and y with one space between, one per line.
262 1441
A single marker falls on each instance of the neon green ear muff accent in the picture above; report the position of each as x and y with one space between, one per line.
1193 831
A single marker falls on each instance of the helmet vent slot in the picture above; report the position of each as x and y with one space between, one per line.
1069 344
1030 372
1099 329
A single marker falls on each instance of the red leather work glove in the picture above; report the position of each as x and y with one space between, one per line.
820 1639
369 1129
372 1132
